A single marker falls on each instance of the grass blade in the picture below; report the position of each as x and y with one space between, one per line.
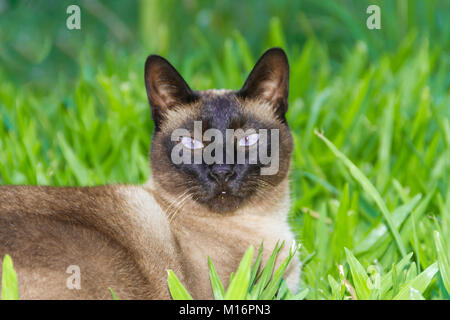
301 295
443 260
359 275
216 284
10 286
274 284
256 265
176 288
419 283
113 294
238 287
266 273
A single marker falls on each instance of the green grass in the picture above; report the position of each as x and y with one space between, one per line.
250 281
9 282
370 190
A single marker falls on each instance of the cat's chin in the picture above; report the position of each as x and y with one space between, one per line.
224 203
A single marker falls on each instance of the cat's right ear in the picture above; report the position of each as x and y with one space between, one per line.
166 88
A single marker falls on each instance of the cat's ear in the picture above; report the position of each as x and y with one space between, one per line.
166 88
269 80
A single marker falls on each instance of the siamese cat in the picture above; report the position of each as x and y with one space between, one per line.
126 237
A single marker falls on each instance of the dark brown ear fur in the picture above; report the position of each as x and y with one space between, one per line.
166 88
269 80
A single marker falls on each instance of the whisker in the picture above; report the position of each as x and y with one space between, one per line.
175 201
180 201
180 206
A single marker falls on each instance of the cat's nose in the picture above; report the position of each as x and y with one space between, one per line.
221 172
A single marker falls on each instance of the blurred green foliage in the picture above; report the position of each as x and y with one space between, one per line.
35 44
74 111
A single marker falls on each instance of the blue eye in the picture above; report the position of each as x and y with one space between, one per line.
249 140
191 143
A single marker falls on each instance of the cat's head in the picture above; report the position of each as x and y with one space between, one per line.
195 155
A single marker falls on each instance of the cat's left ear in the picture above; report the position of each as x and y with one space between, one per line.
166 88
269 80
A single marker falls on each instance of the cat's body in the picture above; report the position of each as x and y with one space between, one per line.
132 252
126 237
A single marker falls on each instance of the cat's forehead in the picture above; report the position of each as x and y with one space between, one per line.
221 109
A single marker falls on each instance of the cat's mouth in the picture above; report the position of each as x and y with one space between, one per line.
225 202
